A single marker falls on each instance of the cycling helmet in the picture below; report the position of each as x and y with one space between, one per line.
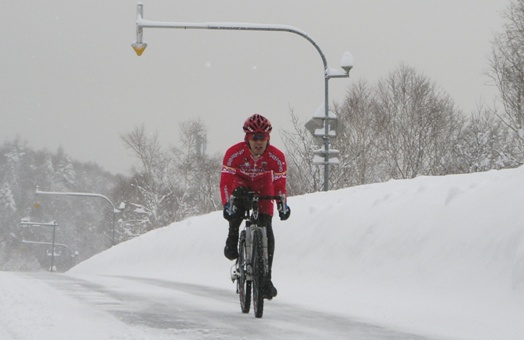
257 124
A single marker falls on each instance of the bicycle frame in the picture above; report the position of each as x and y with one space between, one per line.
248 259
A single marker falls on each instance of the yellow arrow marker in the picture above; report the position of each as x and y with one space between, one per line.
139 48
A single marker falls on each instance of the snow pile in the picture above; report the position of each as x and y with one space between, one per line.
442 256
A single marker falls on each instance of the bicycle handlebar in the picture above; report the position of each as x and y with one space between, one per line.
279 198
267 198
255 198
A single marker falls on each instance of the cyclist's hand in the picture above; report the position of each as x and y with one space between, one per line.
230 212
283 211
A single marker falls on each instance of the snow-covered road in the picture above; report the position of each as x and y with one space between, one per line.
59 306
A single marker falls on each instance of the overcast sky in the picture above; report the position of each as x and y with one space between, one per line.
70 78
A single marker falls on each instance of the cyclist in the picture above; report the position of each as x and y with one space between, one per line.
253 165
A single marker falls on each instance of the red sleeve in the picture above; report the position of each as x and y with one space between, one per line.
228 177
279 170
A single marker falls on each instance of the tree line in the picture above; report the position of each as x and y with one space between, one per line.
402 127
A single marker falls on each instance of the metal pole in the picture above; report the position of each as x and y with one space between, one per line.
114 227
326 134
139 47
52 269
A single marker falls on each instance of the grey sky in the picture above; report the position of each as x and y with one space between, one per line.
69 76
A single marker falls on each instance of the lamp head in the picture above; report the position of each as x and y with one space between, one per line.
346 62
139 47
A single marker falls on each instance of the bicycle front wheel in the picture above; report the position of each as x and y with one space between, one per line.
243 285
258 274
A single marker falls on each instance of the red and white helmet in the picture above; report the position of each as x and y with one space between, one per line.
257 124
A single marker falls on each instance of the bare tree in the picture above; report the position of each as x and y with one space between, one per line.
356 139
168 186
302 175
403 127
416 124
484 144
507 69
153 191
196 173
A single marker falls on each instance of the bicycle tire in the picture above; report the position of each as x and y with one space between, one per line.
258 274
243 285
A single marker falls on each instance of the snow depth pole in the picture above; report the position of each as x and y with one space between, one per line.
347 63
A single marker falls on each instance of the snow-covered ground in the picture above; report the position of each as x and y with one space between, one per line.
441 257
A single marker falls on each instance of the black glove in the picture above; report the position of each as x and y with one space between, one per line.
230 212
283 211
241 199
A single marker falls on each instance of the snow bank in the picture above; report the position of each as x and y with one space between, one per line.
438 255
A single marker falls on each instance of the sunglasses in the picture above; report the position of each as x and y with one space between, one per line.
259 136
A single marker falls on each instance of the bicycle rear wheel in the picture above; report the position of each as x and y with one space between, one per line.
243 285
258 274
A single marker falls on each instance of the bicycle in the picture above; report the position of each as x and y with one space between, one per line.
251 268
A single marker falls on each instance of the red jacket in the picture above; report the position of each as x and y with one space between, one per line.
266 175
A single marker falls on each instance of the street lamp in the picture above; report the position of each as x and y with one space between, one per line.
85 194
346 63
